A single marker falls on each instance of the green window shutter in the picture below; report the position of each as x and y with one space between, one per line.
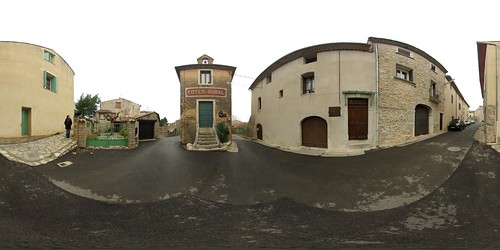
44 78
54 82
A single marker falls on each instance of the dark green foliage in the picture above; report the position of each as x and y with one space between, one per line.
222 131
163 122
87 104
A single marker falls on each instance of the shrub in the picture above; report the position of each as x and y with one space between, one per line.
222 131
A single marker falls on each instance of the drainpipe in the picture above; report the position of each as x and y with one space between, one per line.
377 140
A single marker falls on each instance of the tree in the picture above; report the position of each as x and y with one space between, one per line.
87 104
163 122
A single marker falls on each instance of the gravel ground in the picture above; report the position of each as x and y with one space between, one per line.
463 213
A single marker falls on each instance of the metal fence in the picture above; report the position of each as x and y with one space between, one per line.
109 130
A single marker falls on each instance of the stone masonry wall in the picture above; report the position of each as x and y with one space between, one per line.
188 121
489 124
398 98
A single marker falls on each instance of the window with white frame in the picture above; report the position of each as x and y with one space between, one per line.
308 83
404 73
205 77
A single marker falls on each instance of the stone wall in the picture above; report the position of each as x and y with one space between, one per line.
398 98
133 134
80 131
490 124
189 79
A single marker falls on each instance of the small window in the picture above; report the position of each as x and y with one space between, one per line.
269 79
49 82
118 105
310 58
308 83
259 103
205 77
205 61
459 106
404 73
433 67
48 56
451 98
281 93
404 52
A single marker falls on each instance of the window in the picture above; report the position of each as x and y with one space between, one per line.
281 93
48 56
204 61
433 67
49 82
205 77
433 89
451 98
259 103
459 106
310 58
308 83
118 105
404 73
269 79
404 52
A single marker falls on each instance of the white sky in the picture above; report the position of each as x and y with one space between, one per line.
129 48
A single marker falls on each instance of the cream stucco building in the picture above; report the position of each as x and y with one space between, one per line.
37 90
489 67
350 97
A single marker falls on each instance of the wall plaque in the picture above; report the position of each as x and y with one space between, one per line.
334 111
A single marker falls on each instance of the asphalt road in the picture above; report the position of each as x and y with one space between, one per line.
462 212
162 169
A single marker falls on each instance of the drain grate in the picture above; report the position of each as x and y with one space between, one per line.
64 164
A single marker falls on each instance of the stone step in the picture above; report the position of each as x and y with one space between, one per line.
209 146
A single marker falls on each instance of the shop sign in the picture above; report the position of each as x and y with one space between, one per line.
205 92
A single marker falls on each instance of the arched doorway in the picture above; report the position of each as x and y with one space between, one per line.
421 120
259 131
314 132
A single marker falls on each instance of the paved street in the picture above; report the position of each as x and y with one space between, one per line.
259 197
162 169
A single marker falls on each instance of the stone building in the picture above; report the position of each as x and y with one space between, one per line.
349 97
411 85
149 125
37 91
489 67
455 104
205 102
321 96
118 110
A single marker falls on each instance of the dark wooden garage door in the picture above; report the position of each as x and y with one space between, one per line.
314 132
146 130
358 118
421 120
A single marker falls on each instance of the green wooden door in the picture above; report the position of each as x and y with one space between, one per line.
205 114
25 121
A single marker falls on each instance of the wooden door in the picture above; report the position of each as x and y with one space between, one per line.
206 114
358 118
314 132
25 121
421 120
259 131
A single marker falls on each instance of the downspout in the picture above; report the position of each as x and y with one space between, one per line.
340 104
377 140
